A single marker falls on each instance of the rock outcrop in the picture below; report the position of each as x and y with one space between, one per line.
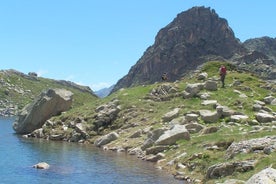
48 104
265 145
192 38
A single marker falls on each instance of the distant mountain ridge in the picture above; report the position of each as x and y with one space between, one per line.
104 92
264 44
194 37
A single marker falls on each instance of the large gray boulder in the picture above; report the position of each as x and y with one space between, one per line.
192 90
209 116
252 145
267 175
171 115
152 137
106 139
228 168
176 133
211 85
48 104
265 117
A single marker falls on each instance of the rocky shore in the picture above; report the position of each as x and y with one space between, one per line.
163 124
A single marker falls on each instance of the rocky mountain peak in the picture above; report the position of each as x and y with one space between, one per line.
192 38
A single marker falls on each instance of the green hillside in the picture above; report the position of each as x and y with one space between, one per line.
135 113
140 113
18 89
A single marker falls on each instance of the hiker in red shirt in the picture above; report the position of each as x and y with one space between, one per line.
222 73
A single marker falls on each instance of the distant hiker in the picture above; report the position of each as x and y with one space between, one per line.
222 73
164 76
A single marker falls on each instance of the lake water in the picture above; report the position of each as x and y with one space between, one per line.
69 163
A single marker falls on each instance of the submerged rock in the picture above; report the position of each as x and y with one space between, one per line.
41 165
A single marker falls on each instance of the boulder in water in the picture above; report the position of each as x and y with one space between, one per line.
41 165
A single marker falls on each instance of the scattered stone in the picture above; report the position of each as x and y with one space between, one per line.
224 111
259 102
193 89
269 99
171 136
191 117
209 116
136 134
238 118
204 96
163 92
171 115
106 114
56 137
211 85
178 121
209 130
80 128
209 102
152 137
156 149
106 139
155 158
202 76
137 151
257 107
194 127
264 117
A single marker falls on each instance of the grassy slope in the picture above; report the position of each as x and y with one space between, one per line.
32 88
145 113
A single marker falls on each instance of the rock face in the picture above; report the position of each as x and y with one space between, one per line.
182 45
49 104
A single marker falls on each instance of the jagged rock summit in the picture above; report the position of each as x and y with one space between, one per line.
193 37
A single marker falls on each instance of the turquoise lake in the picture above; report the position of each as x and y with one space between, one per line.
69 162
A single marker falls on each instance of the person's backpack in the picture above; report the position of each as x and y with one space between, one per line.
223 70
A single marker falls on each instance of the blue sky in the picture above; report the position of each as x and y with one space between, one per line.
95 42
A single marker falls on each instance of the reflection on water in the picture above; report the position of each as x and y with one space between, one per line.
69 162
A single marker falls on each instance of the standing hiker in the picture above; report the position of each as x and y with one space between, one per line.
222 73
